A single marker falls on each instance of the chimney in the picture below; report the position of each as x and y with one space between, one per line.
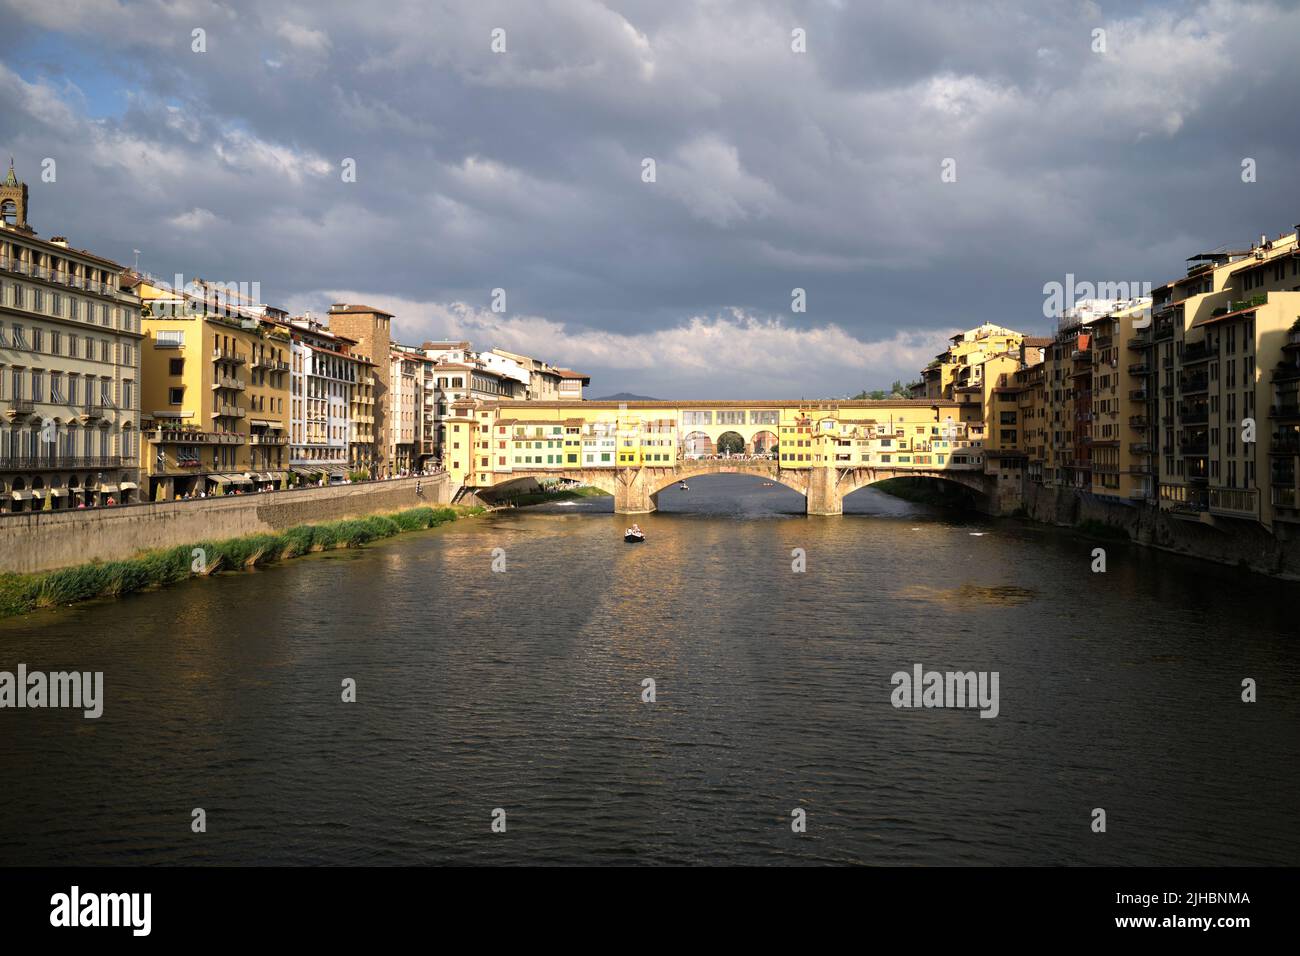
59 241
339 307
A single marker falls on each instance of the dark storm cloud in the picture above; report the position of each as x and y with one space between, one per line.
775 169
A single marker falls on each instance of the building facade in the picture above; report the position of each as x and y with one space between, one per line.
69 370
216 395
322 379
370 330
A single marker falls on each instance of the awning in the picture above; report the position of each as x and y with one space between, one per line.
240 480
129 486
306 471
219 479
20 495
107 489
264 423
58 492
38 492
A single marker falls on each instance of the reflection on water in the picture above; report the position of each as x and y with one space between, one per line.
522 690
1003 595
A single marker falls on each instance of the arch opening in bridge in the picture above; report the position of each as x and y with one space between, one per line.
933 490
721 491
696 445
762 443
730 443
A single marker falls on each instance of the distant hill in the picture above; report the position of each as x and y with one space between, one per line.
625 397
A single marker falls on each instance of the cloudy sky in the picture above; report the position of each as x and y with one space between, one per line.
774 169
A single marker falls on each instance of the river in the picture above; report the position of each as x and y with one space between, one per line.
522 690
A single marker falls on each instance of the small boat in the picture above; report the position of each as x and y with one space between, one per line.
683 486
633 537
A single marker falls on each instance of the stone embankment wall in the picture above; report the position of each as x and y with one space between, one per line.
1227 541
45 540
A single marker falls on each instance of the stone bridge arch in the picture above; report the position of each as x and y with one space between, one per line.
854 479
767 469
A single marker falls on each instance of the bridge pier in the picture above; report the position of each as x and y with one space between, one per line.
823 492
632 494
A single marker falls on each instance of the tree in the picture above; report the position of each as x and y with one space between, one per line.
729 443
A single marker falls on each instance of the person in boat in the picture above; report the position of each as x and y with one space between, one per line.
636 529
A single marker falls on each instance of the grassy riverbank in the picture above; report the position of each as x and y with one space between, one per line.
21 593
561 494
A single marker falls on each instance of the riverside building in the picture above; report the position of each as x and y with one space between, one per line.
323 375
69 369
216 392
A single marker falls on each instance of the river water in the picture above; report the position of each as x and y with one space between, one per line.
522 690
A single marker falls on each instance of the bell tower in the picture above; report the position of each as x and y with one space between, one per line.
13 201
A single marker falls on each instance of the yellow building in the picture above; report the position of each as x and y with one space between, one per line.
1121 460
967 349
1226 341
215 394
362 442
491 442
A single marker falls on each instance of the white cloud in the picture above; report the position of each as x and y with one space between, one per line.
194 220
734 352
706 177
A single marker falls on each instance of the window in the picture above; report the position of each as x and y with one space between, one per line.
175 366
175 396
170 339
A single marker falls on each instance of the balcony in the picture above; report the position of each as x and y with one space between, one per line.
268 439
91 412
229 411
1139 421
228 355
1166 390
1284 497
1139 368
1195 448
1284 410
1238 502
179 436
225 381
1286 372
1139 395
1286 446
1140 448
1292 340
19 408
1194 415
1194 385
1196 353
44 462
1139 342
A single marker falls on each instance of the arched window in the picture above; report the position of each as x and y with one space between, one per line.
9 212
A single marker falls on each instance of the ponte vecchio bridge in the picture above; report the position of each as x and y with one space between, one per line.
824 450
